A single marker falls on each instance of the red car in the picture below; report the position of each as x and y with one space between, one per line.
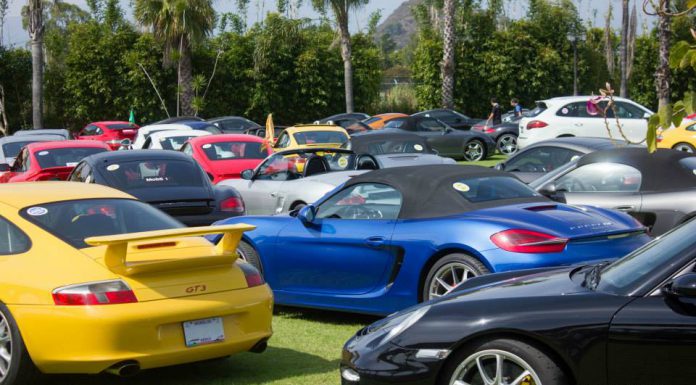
111 133
50 160
226 156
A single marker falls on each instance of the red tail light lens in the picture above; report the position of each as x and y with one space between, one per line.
252 275
527 241
489 130
659 138
536 124
96 293
233 205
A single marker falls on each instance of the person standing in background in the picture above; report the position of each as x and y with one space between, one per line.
517 108
496 115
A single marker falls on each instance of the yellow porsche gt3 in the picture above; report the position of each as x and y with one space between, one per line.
92 280
682 138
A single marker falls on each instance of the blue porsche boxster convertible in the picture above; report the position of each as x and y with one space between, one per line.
391 238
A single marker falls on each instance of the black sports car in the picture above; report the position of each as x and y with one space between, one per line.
468 145
543 157
179 119
345 116
504 134
169 180
658 189
626 323
452 118
233 124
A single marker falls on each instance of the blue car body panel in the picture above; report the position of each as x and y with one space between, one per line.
378 266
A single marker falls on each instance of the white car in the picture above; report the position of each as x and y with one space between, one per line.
568 117
145 132
171 139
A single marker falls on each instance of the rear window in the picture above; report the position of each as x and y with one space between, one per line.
73 221
11 150
65 157
493 188
120 126
395 123
540 107
234 150
174 142
151 173
316 137
372 120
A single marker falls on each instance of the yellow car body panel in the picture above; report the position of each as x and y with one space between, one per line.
176 276
686 133
292 144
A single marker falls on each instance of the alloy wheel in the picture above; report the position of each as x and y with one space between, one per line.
241 254
684 147
448 277
507 144
494 367
5 347
473 151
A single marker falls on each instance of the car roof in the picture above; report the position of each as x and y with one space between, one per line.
197 124
660 170
314 127
225 138
580 98
22 195
390 115
44 131
167 126
34 138
175 133
105 122
428 191
49 145
130 155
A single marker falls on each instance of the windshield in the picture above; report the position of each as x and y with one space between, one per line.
319 137
151 173
492 188
10 150
65 157
120 126
629 272
292 166
234 150
73 221
174 142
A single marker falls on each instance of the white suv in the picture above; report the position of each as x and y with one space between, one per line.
567 116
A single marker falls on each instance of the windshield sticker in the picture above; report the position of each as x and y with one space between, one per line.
156 179
37 211
71 164
564 111
459 186
42 153
112 167
207 146
343 162
418 147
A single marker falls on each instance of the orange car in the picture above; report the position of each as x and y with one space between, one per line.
377 122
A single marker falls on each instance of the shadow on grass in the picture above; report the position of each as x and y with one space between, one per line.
243 369
325 316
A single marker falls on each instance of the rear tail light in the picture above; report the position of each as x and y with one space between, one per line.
95 293
252 275
536 124
489 130
527 241
659 138
232 205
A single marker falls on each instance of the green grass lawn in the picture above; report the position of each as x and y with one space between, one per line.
492 161
305 350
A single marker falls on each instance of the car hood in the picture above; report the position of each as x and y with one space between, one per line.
562 220
399 160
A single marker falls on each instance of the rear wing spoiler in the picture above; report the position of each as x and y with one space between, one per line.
116 256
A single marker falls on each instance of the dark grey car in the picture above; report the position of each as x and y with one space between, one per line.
543 157
657 189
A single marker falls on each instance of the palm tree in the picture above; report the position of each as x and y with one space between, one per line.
341 10
35 26
448 56
624 49
663 75
178 24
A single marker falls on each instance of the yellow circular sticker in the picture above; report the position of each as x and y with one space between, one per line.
343 162
418 147
459 186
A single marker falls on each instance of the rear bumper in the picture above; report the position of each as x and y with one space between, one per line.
205 220
90 339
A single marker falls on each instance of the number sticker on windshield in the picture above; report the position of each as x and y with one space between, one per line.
37 211
112 167
343 162
418 147
459 186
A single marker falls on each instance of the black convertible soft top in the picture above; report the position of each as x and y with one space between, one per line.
363 143
660 170
428 192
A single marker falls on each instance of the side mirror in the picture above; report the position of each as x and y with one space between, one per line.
548 190
126 144
500 166
4 167
683 287
248 174
307 215
647 115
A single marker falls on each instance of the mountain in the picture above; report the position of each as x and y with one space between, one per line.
400 25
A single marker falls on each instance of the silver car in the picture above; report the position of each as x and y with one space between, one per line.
11 145
392 149
289 180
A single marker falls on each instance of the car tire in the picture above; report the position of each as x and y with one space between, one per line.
474 150
449 272
20 370
518 356
248 254
507 144
684 147
297 206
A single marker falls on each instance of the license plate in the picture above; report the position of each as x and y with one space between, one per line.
203 332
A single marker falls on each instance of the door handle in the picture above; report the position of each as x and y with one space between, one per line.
624 208
578 124
375 242
274 194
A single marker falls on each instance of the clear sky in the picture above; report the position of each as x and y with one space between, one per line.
591 10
